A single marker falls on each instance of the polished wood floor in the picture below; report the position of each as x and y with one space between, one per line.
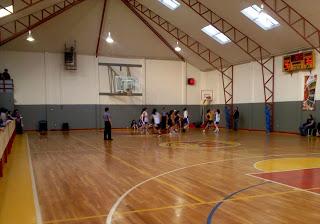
188 178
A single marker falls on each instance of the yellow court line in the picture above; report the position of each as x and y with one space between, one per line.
196 198
177 206
211 202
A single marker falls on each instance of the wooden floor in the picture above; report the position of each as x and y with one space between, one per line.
186 178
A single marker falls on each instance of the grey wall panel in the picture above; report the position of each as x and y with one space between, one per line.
32 114
288 115
7 101
78 116
245 111
257 116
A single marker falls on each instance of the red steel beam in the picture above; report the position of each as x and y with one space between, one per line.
152 29
303 27
246 44
24 5
101 24
18 27
217 62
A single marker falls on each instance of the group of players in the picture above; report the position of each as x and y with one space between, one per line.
165 122
173 121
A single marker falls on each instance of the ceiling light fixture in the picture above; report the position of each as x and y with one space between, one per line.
260 17
177 48
216 34
30 37
109 38
171 4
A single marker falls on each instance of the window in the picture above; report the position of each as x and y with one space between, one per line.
262 19
6 11
171 4
216 34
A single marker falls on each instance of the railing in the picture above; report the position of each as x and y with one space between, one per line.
6 86
7 135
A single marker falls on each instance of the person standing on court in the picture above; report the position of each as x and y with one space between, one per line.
107 124
236 116
217 121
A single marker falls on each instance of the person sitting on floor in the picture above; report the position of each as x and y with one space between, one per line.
134 125
309 125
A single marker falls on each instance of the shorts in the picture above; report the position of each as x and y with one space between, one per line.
185 121
216 122
210 122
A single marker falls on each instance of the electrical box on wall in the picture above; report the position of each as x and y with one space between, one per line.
191 81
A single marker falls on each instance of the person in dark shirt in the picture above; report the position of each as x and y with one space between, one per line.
318 129
236 116
107 124
6 75
164 119
309 125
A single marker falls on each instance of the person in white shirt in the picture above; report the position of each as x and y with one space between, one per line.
217 120
185 121
144 119
156 117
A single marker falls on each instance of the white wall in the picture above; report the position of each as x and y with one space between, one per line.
40 78
248 84
193 92
27 69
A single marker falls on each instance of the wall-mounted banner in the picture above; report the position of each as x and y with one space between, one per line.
309 98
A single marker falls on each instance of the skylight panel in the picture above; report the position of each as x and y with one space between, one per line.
171 4
216 34
258 16
6 11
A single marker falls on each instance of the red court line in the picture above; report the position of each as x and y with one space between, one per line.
303 179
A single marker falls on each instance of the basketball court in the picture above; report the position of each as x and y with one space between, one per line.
159 112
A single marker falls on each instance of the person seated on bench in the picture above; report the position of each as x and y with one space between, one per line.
309 125
6 75
18 117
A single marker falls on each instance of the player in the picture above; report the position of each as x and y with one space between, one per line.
217 121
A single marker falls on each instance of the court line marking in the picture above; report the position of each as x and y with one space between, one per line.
275 182
255 165
34 187
114 207
120 199
243 198
195 146
218 205
196 198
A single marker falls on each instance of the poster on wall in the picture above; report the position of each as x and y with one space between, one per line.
309 97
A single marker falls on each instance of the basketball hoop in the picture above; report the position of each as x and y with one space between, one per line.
207 100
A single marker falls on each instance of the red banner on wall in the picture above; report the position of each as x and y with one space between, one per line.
309 98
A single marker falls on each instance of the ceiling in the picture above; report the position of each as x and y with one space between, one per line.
133 39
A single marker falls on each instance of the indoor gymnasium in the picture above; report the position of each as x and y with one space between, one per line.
159 112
